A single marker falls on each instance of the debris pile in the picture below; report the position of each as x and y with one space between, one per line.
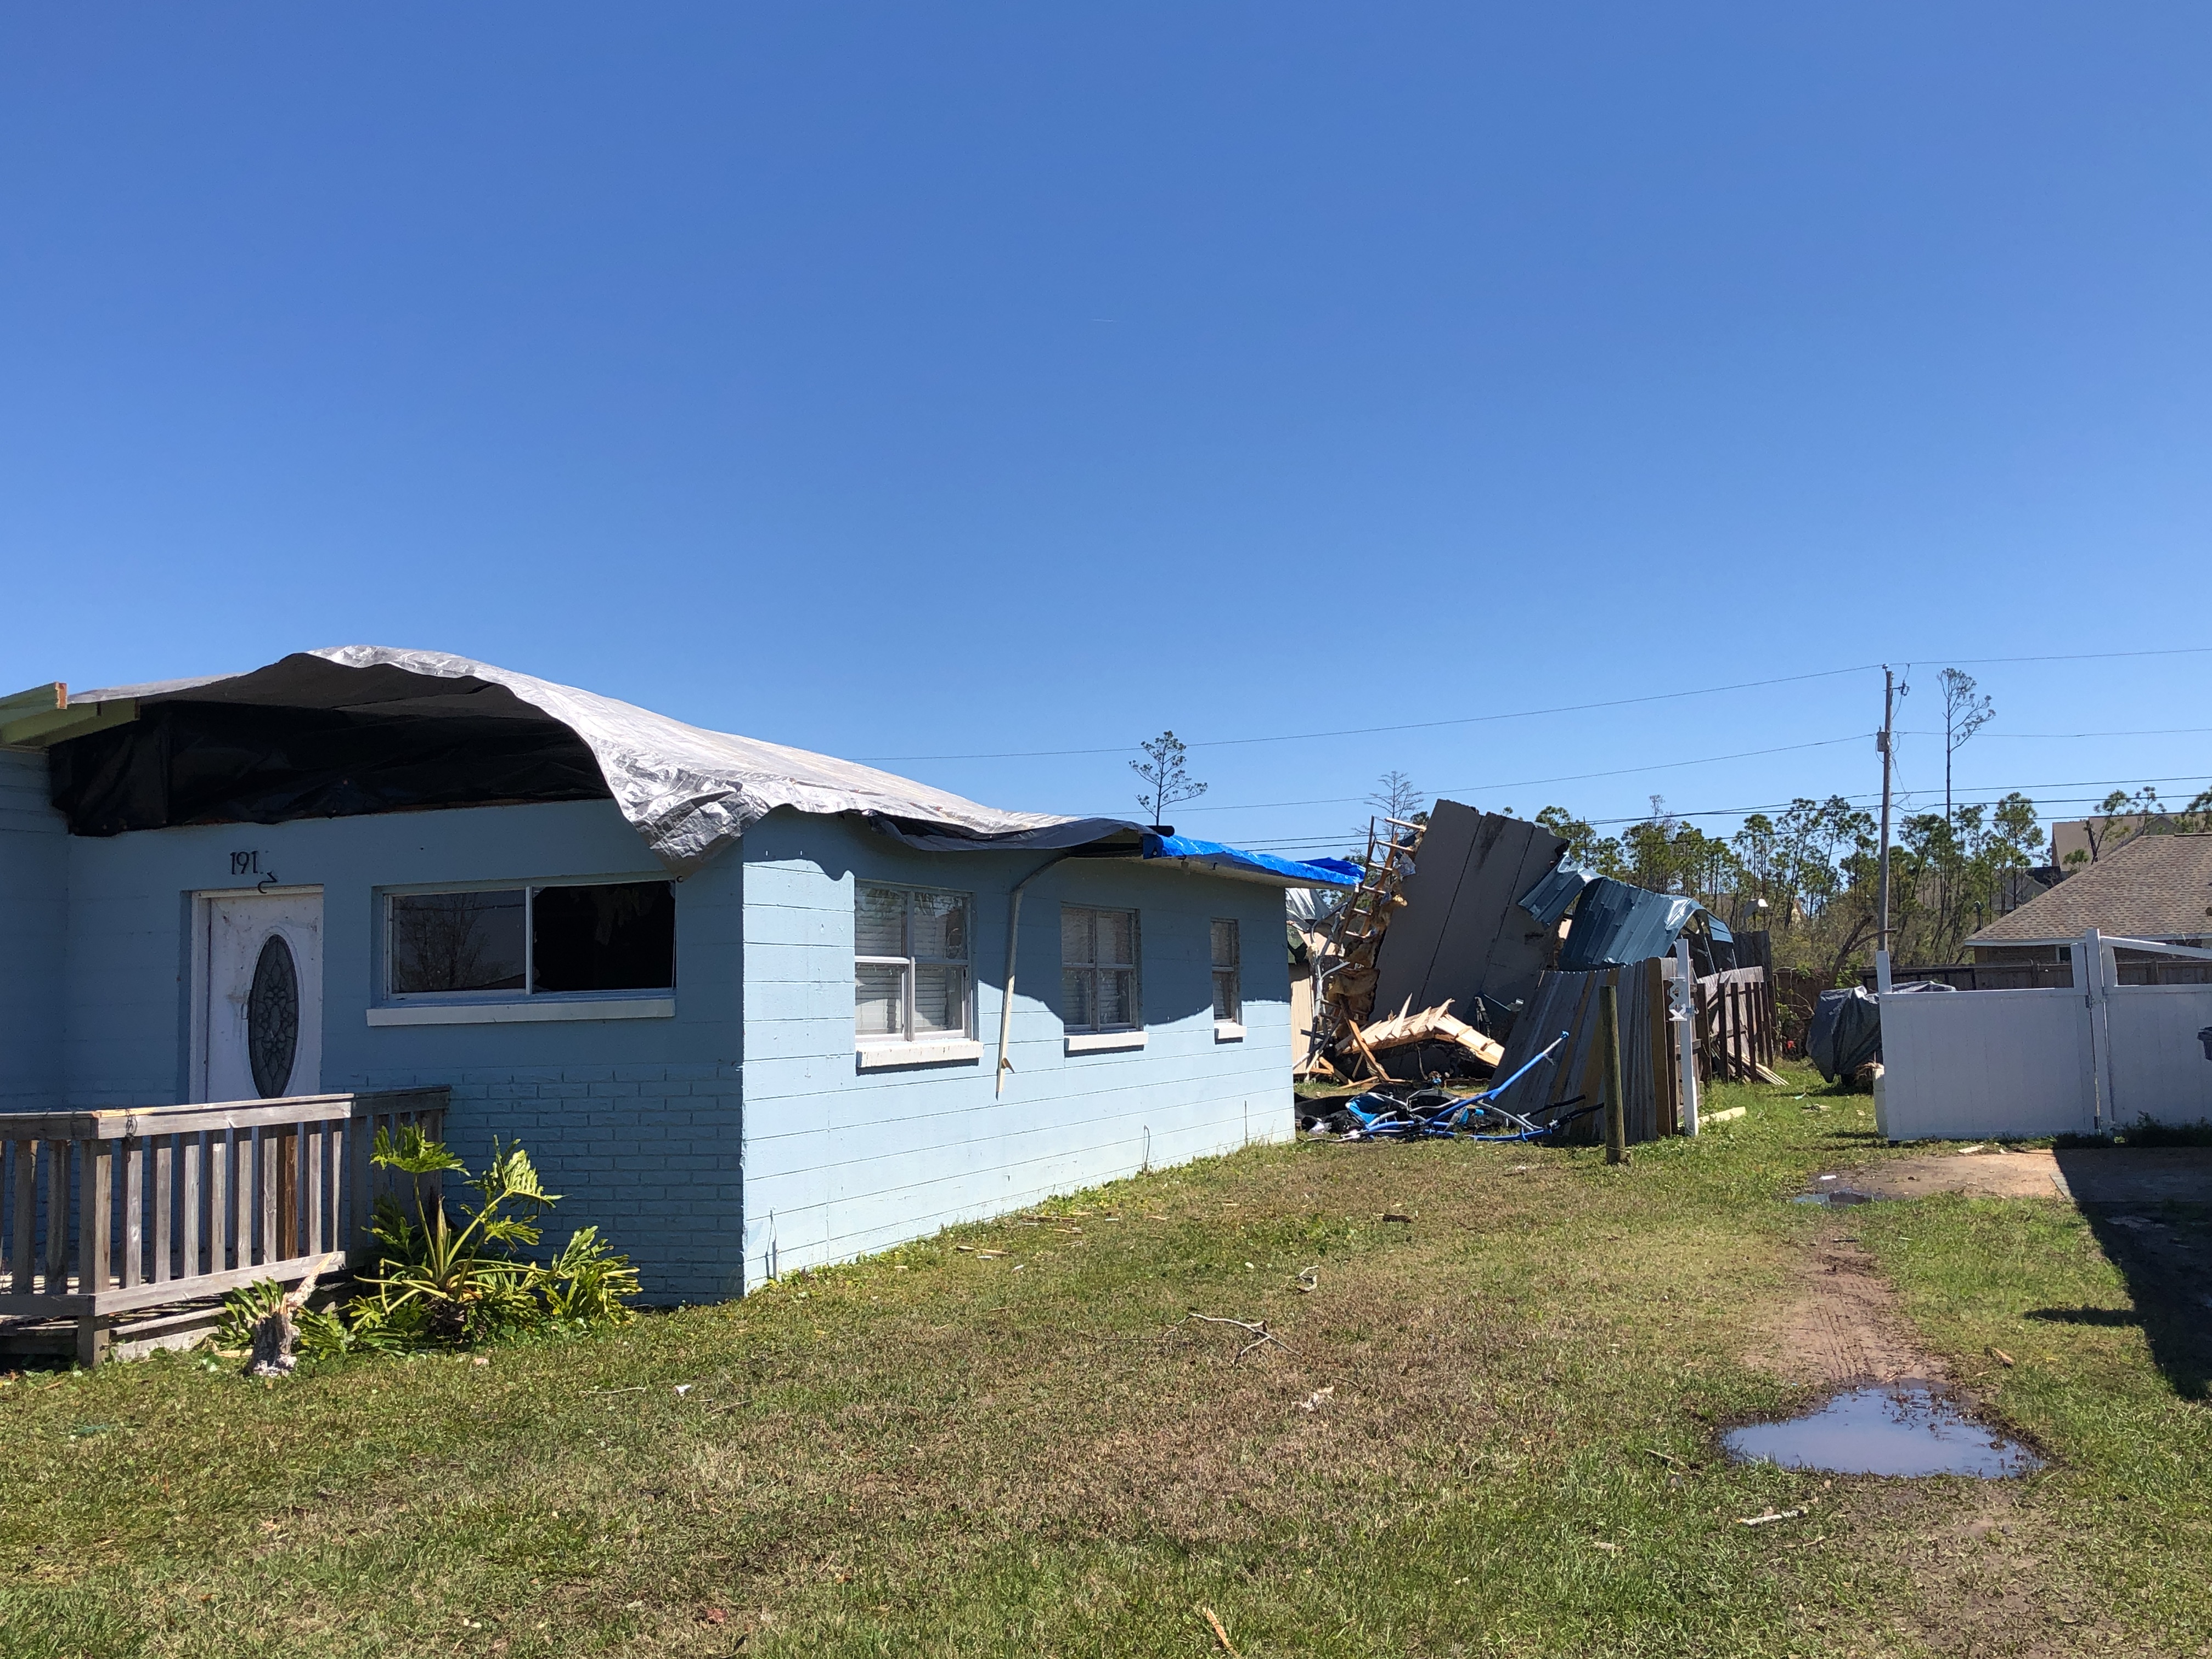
1491 951
1401 1111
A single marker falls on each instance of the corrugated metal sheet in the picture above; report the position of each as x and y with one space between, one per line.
1617 923
1547 901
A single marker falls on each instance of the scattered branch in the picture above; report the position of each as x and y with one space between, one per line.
1256 1328
1219 1634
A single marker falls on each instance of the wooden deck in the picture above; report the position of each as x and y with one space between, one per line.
109 1213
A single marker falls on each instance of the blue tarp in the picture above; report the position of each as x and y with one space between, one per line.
1547 901
1252 867
1616 924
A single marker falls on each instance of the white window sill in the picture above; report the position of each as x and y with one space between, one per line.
883 1056
1228 1031
1095 1042
522 1013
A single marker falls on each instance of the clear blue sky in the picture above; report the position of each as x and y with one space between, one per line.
968 380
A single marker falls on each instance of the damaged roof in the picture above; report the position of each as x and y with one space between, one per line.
688 792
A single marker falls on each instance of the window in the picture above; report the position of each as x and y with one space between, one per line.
1098 968
910 980
1227 993
533 941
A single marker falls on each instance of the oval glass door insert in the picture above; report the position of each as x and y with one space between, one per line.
272 1017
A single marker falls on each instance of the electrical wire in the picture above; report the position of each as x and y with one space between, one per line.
1866 799
1530 783
1415 726
1534 713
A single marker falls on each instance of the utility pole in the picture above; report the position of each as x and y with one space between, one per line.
1885 741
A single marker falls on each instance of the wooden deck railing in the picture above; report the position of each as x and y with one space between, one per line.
105 1212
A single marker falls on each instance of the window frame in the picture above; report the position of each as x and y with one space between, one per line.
1232 1023
528 994
1133 968
907 1037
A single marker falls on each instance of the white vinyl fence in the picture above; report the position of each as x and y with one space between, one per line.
2087 1059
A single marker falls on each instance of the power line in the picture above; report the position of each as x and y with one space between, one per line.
1534 713
1415 726
1779 805
1530 783
2155 731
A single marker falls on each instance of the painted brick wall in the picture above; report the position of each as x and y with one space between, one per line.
636 1122
34 936
841 1162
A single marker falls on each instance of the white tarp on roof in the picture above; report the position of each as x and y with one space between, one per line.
688 791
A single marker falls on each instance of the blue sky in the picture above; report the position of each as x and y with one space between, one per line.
983 380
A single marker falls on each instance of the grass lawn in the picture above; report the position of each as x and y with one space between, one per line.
949 1451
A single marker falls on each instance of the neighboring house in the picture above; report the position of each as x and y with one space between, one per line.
2148 887
2085 840
745 1005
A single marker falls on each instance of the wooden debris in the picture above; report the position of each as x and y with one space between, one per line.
274 1333
1435 1024
1352 1035
1219 1634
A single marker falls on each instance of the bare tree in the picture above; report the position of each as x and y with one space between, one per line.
1166 781
1964 715
1395 797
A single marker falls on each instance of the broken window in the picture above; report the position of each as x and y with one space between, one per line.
1228 990
1098 968
604 936
615 936
910 978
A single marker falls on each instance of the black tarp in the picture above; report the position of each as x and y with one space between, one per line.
220 763
1461 937
1846 1033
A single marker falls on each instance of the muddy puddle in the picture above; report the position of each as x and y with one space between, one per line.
1830 1189
1901 1428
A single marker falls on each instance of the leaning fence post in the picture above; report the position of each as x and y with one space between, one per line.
1608 1036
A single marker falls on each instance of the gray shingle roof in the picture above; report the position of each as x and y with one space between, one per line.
2152 887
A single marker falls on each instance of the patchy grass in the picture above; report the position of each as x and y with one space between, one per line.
945 1452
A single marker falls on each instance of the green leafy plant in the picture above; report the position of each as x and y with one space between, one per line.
449 1281
443 1279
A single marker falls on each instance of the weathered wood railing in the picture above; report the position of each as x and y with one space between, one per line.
106 1212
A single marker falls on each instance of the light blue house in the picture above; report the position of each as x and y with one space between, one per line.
750 1008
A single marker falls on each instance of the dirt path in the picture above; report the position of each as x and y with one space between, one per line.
1844 1326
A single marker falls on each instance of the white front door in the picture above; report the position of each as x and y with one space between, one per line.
263 1023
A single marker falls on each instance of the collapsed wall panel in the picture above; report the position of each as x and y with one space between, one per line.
1461 937
1568 1002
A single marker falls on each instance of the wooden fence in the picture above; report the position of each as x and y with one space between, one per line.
109 1213
1739 1033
